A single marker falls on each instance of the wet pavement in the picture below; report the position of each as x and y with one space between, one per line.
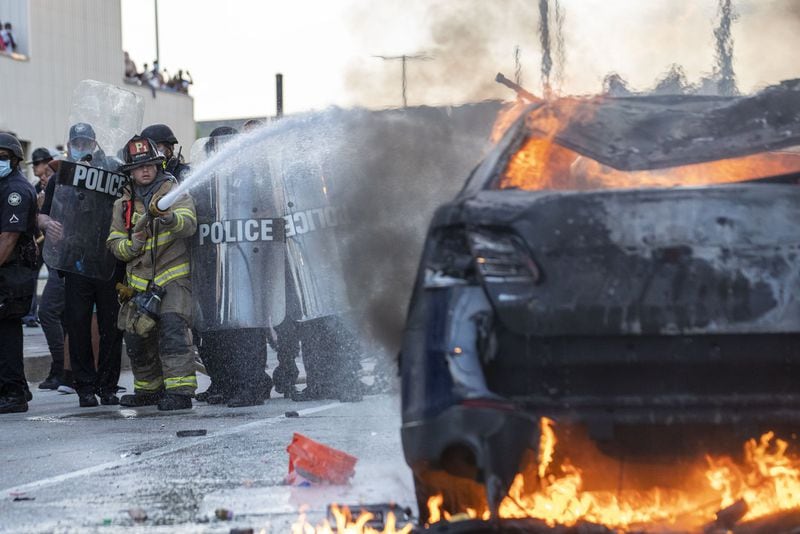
83 469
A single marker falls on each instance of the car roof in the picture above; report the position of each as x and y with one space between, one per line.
651 132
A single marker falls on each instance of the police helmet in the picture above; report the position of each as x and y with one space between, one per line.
160 133
11 143
141 151
221 131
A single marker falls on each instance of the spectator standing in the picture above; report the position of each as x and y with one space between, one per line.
17 264
130 68
7 35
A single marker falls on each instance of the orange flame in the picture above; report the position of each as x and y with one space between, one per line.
541 163
547 445
345 524
506 117
768 481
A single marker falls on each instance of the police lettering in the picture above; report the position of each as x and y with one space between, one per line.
239 231
99 180
251 230
303 222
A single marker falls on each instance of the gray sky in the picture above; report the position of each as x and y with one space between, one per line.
324 48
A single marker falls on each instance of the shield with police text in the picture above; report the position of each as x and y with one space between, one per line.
238 251
103 117
314 230
305 156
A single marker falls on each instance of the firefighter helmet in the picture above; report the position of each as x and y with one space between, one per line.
160 133
141 151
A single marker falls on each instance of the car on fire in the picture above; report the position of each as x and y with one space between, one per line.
629 266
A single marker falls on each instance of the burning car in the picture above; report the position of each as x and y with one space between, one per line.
626 267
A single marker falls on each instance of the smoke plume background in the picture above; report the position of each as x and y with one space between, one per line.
471 40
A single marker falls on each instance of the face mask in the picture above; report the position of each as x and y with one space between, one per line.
5 168
78 155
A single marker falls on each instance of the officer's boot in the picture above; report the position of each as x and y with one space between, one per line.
173 401
13 404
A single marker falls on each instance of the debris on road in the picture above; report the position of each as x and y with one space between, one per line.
191 433
241 531
311 462
137 514
291 413
223 514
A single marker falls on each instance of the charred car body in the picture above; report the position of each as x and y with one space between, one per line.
626 265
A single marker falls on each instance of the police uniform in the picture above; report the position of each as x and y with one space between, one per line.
85 295
17 280
177 168
161 357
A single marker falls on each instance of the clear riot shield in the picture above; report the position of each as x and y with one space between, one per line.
238 253
85 190
304 156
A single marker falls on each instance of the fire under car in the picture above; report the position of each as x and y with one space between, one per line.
628 268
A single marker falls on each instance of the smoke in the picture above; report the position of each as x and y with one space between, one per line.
581 42
469 41
544 41
724 37
401 165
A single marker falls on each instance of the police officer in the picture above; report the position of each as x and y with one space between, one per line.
154 245
17 272
165 141
236 359
83 294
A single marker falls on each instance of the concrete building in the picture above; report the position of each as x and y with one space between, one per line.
60 43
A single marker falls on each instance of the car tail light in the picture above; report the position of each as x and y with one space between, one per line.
502 258
449 261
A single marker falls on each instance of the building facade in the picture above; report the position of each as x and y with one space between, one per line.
60 43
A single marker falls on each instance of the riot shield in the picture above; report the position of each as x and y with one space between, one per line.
85 190
313 233
238 251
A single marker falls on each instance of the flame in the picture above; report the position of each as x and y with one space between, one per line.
541 163
345 524
767 480
547 445
506 117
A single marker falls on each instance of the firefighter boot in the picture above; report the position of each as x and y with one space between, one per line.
140 399
173 401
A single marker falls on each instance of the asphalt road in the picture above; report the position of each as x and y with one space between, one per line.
83 469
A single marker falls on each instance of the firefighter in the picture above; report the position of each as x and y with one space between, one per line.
165 141
157 308
17 272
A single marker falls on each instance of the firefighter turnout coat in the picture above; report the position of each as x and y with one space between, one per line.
161 359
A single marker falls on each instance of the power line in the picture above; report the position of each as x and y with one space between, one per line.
404 59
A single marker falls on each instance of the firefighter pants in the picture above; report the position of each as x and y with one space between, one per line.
163 360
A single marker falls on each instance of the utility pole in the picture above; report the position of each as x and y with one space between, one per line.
158 55
404 59
278 96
